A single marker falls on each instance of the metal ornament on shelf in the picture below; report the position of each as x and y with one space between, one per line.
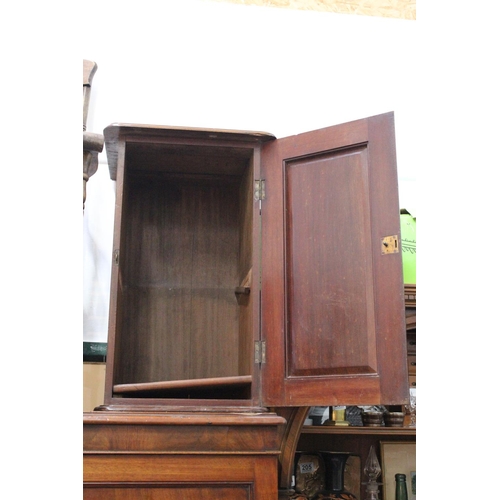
334 477
372 470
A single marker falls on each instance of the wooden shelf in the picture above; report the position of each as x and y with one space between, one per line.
378 431
208 387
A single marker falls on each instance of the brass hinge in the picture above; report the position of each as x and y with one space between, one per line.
116 256
259 352
259 192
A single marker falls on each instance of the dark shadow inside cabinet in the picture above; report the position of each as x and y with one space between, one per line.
184 323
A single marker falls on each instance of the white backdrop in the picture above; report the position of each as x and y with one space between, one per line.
217 65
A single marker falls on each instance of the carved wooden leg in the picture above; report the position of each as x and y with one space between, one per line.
295 418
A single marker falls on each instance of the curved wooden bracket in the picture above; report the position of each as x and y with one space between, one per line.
295 417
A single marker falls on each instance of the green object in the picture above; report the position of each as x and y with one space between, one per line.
401 491
409 246
95 351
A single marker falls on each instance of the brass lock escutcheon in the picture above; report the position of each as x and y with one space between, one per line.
390 244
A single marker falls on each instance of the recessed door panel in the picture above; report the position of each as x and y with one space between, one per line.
329 280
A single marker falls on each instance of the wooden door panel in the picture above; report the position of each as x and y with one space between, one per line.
332 300
329 281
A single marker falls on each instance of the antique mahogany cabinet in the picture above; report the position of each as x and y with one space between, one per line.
253 277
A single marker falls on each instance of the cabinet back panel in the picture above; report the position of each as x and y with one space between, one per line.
181 265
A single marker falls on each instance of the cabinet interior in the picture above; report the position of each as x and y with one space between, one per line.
185 289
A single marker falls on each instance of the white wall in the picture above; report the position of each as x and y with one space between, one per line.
202 63
217 65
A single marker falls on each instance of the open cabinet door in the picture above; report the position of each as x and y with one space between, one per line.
332 287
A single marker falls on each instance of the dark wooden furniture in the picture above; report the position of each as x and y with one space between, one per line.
253 276
180 456
251 271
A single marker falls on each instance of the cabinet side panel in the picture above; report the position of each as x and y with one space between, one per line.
116 289
329 284
246 274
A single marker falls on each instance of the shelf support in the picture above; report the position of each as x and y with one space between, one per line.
295 417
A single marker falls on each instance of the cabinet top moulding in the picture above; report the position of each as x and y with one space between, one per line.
116 131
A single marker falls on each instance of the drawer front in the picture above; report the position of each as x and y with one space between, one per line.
412 379
168 492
